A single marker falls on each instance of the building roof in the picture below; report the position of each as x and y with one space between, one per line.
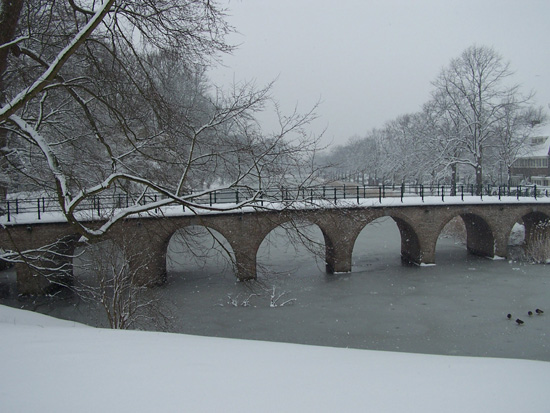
536 150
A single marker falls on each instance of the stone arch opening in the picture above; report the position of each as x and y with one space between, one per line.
469 230
196 251
377 245
386 237
452 238
295 246
479 236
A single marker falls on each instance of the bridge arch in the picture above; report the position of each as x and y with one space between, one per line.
480 239
303 235
198 245
480 236
410 248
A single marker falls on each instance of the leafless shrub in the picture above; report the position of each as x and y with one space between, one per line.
276 299
113 285
537 249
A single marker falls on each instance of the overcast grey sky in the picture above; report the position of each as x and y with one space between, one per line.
369 61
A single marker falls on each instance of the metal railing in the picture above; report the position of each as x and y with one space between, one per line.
97 205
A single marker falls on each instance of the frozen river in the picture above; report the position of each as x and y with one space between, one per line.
457 307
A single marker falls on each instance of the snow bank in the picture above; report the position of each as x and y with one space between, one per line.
55 366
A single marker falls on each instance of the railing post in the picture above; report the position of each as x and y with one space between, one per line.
443 193
402 190
462 192
236 196
8 211
499 192
16 205
383 190
324 192
38 207
98 208
334 194
357 188
422 192
535 189
344 191
518 190
380 194
210 198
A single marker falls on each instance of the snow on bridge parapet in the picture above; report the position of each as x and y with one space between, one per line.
42 215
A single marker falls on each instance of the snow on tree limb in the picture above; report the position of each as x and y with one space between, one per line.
27 94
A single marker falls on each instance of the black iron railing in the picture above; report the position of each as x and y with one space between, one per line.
99 205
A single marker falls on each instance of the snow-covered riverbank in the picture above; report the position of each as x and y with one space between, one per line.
57 366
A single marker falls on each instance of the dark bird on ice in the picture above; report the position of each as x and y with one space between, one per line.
520 322
530 313
539 312
509 316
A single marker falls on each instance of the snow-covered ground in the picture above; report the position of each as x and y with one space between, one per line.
51 365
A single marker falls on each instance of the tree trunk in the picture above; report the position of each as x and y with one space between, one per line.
9 16
479 179
479 171
453 179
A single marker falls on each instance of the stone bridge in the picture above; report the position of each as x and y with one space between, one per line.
488 228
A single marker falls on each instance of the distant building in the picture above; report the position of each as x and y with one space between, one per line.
533 165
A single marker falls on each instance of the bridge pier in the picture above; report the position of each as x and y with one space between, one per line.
337 257
245 266
339 235
480 240
45 272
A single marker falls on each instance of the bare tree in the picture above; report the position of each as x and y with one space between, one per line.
476 121
99 98
106 280
514 129
474 93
